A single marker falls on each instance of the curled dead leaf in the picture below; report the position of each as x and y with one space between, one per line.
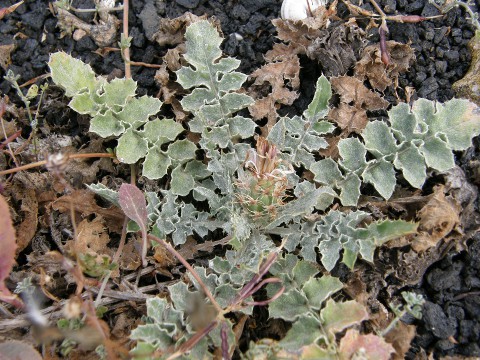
438 218
172 31
400 337
281 75
378 74
103 34
5 58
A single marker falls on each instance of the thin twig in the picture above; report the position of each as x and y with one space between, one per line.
43 162
126 51
189 268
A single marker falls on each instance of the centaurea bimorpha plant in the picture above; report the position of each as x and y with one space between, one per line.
256 199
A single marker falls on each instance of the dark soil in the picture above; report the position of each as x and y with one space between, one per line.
451 322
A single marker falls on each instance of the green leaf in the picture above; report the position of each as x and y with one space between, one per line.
105 192
318 108
72 74
326 172
106 125
118 91
350 190
379 139
242 126
353 154
319 290
289 306
437 154
305 331
137 111
164 130
412 164
330 250
382 176
386 230
182 150
156 164
132 146
339 316
459 120
182 181
84 104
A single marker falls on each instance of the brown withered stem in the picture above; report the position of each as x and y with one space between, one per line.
383 28
44 162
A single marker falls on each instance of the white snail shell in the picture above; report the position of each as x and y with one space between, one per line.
299 9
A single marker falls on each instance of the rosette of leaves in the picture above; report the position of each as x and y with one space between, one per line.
300 137
419 137
214 99
116 112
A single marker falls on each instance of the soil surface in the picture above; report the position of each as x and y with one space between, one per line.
450 281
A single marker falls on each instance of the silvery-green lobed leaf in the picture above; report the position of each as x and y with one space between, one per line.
337 316
105 192
182 181
118 92
319 290
84 104
318 108
106 125
156 164
381 175
213 77
132 146
305 331
162 131
137 110
72 74
182 150
299 138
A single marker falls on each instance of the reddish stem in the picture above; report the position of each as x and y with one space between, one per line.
383 46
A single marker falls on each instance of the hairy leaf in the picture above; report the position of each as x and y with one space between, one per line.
132 201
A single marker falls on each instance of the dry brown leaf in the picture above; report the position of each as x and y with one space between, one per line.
277 74
378 74
92 237
7 255
355 100
29 206
103 33
352 89
163 257
437 219
171 31
332 150
400 337
373 345
349 118
5 52
336 47
169 91
84 202
130 257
